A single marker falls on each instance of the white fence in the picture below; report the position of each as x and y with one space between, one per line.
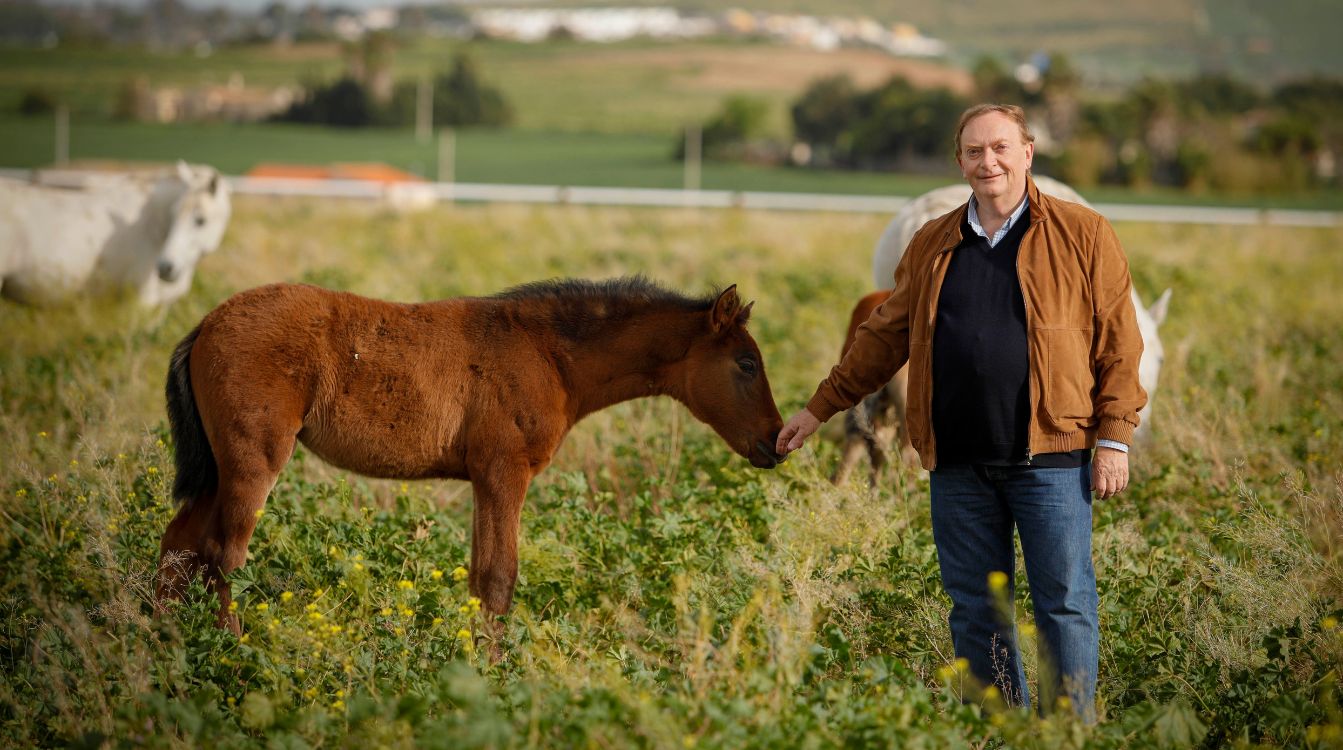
423 193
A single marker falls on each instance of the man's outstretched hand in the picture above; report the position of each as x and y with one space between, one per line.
796 432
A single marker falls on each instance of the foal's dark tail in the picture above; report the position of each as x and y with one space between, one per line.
197 473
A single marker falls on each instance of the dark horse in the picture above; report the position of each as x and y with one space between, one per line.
475 388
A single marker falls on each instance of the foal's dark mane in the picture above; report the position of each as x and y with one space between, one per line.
579 308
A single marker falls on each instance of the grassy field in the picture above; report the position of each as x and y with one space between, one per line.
587 114
512 156
670 596
628 87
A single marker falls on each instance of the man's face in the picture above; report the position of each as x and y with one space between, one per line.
994 158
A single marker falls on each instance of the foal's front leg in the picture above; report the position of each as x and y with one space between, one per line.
499 492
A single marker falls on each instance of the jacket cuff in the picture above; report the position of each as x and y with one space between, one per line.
1118 430
821 408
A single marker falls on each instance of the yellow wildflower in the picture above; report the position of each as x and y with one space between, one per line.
153 470
405 585
435 574
340 693
459 573
338 705
438 621
358 567
286 596
464 634
386 612
997 580
1329 623
233 606
474 604
259 512
407 612
961 665
262 607
245 637
399 630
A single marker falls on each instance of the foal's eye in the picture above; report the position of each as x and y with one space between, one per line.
747 365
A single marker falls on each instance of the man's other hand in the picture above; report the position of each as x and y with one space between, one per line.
796 432
1109 472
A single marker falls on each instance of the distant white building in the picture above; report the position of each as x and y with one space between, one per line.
590 24
615 24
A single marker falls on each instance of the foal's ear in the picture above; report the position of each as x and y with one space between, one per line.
725 309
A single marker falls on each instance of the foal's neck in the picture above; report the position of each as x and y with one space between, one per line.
637 357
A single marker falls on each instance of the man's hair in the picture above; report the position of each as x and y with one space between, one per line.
1013 112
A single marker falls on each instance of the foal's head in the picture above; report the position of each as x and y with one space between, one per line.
726 387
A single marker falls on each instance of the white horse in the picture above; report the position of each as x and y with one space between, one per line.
878 410
109 233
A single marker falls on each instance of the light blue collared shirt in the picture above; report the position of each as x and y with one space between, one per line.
997 237
973 219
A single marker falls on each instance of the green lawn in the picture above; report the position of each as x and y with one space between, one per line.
508 156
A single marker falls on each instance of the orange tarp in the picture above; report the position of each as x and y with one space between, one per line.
369 171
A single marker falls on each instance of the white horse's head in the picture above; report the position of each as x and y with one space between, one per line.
919 211
197 219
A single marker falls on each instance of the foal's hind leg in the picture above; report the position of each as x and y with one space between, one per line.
247 472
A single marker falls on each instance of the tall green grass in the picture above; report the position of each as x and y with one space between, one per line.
670 595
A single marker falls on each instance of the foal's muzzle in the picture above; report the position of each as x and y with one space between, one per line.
764 457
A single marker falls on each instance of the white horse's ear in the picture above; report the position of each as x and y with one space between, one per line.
1159 308
184 171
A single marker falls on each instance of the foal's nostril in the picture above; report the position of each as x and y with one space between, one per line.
167 271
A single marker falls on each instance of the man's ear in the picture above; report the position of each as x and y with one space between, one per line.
725 309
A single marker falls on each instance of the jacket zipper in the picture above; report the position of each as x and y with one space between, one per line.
932 326
1025 302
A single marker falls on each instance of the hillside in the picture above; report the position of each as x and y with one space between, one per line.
1113 43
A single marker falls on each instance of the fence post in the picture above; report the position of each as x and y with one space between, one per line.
693 144
424 110
447 156
62 135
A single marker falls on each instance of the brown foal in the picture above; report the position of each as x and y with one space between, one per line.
476 388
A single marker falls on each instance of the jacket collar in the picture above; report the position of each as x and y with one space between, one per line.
951 236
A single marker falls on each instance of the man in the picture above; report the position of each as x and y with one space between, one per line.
1023 346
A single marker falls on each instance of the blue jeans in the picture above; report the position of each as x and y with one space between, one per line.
975 509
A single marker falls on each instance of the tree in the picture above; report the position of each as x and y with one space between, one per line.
825 111
898 122
344 103
740 121
462 98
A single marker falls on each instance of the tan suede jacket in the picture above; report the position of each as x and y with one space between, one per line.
1081 329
